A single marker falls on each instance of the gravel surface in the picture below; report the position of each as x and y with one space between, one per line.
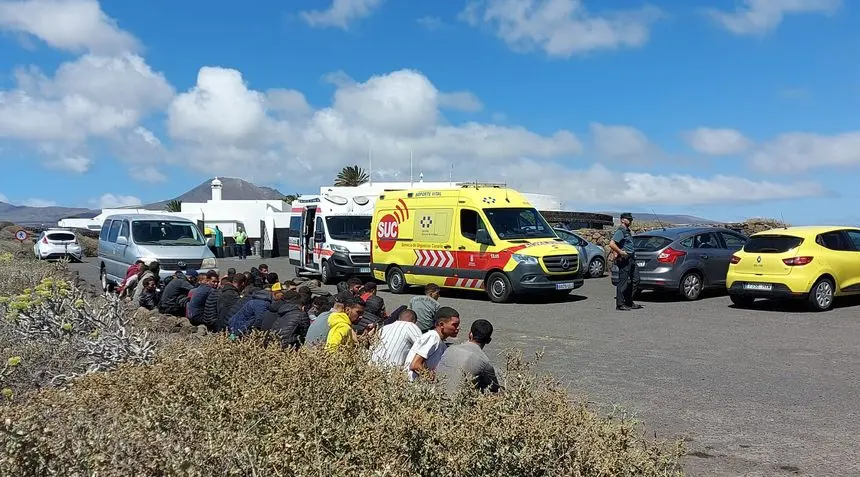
769 391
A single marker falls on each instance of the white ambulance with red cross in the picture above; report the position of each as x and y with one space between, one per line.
330 235
475 237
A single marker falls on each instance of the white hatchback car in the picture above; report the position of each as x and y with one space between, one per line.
57 243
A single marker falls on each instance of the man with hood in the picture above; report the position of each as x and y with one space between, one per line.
287 320
340 324
373 316
250 316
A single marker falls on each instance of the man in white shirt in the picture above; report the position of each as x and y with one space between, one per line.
396 339
428 350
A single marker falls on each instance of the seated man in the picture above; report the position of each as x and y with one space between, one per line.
467 361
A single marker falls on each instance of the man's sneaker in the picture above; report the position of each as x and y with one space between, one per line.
622 308
636 306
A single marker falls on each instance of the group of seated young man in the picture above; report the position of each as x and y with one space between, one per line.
300 312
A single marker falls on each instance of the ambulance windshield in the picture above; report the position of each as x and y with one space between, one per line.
518 223
349 228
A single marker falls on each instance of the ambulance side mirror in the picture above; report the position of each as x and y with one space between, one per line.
483 237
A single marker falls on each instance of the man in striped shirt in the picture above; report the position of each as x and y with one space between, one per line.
396 339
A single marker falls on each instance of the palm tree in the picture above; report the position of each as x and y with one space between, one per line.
351 176
290 198
174 205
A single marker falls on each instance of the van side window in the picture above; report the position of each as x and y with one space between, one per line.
295 226
103 234
318 226
470 223
124 230
114 230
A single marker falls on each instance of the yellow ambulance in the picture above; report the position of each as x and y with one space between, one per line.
472 237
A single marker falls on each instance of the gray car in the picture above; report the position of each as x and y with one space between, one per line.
684 259
593 256
174 242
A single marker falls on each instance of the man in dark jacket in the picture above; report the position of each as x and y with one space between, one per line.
288 320
374 311
197 303
250 316
225 300
175 294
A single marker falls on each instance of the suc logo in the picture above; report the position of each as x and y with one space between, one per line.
389 227
387 232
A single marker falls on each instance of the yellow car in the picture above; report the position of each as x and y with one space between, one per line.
811 263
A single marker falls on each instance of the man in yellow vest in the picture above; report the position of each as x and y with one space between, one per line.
241 237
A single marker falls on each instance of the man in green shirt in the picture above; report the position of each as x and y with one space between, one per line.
241 237
628 273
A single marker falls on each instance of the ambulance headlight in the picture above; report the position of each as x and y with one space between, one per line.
339 248
524 259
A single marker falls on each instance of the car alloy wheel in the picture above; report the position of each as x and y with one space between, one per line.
596 268
823 294
691 286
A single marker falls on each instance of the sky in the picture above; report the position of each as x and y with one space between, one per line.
722 109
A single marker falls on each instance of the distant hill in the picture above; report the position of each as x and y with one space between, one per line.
24 215
232 189
667 218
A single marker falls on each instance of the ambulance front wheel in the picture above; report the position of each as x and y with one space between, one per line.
396 281
499 288
326 274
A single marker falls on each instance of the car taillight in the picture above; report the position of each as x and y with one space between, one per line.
670 255
45 240
735 259
796 261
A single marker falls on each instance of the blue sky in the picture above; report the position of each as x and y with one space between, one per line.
725 109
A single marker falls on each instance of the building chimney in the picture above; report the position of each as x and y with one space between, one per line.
216 190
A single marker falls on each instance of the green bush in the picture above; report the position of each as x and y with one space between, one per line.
228 408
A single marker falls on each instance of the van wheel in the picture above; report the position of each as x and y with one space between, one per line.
325 273
396 281
821 295
107 287
499 288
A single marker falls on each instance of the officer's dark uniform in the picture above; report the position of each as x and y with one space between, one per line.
628 273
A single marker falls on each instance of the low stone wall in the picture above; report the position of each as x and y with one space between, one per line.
749 227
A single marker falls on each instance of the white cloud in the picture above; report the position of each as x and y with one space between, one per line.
757 17
38 203
430 23
91 96
108 201
561 28
717 142
287 101
622 143
460 101
799 152
72 25
147 174
341 13
74 163
600 185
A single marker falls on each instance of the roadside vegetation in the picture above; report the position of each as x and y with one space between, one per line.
90 388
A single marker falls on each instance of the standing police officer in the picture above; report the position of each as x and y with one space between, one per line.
628 274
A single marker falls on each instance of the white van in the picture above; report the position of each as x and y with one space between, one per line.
330 236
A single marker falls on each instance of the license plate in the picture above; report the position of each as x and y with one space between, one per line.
364 270
640 263
758 286
565 286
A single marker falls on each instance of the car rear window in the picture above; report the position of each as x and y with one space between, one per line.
650 243
772 244
61 237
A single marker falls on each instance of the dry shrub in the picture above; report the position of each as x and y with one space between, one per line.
239 408
53 330
89 246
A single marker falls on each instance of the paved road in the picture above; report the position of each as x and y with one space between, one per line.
772 391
